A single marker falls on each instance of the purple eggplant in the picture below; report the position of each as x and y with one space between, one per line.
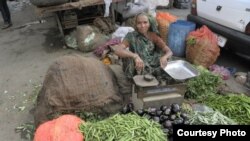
167 112
140 112
175 108
163 108
167 124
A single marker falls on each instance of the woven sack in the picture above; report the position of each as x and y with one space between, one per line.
104 24
202 48
130 22
163 26
164 19
89 38
77 83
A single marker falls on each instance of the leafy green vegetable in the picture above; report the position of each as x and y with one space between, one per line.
191 41
27 130
203 84
129 127
87 116
234 106
210 118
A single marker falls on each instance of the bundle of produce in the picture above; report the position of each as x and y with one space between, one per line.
202 48
64 128
164 19
89 38
167 116
223 72
129 127
236 107
209 118
203 84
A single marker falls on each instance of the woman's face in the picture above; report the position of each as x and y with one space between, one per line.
142 24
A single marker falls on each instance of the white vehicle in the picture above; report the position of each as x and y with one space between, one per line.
229 19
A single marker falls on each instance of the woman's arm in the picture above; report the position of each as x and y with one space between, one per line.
122 51
166 50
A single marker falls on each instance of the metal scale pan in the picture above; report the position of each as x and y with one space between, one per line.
181 70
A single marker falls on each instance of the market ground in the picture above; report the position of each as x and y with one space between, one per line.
26 52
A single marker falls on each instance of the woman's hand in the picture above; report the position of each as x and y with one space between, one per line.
164 61
139 65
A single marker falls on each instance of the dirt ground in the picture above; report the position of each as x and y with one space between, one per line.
25 55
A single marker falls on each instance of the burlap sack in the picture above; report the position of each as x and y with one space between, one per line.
130 22
164 19
202 48
77 83
125 86
163 29
89 38
203 53
104 24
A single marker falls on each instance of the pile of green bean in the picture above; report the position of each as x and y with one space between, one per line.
234 106
129 127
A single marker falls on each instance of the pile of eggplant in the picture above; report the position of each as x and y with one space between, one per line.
167 116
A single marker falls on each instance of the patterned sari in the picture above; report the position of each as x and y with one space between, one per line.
146 49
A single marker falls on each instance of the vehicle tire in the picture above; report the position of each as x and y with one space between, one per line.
181 5
43 3
182 1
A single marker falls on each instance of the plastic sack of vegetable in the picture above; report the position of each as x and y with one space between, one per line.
89 38
201 47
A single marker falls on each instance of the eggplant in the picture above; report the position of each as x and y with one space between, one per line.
156 119
175 108
172 117
152 114
163 118
131 107
163 108
165 130
186 122
152 111
171 131
125 109
167 112
184 115
167 124
158 113
140 112
178 121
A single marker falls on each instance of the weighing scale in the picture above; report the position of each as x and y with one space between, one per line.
148 92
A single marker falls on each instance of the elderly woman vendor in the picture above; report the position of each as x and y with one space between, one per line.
147 53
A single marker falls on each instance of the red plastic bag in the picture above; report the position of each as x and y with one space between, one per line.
164 19
64 128
166 16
